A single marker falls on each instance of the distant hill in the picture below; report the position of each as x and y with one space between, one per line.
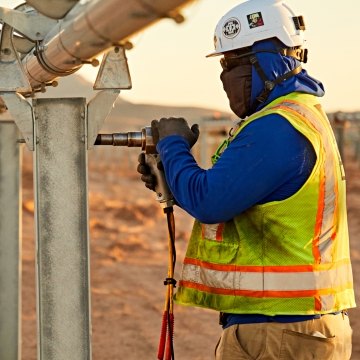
126 115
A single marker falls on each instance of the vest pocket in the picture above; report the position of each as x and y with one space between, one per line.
298 346
217 252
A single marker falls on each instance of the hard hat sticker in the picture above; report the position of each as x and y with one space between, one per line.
215 41
231 28
255 20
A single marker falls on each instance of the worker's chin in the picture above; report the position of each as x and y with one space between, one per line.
240 110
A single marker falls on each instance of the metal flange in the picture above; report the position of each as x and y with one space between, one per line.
55 9
27 22
12 73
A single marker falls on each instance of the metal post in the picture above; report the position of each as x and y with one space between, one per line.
357 145
63 286
10 243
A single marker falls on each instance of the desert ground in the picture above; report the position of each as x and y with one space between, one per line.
129 262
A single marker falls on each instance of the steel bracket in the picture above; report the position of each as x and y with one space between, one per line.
55 9
98 109
22 113
113 75
114 71
29 23
22 44
12 73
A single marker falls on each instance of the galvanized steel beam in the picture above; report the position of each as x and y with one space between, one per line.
62 229
21 111
10 243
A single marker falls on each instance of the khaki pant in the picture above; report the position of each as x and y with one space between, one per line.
327 338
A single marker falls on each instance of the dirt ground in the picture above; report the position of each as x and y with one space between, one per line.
129 263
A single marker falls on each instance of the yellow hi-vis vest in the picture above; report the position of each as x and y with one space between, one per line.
282 257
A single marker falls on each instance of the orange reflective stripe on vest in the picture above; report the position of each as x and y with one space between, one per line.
257 280
282 257
324 231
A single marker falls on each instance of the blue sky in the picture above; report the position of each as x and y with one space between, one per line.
168 64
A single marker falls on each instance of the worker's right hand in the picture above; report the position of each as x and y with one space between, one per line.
174 126
144 170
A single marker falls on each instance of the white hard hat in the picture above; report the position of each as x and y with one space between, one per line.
256 20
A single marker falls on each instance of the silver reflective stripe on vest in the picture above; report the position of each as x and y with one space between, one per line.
325 244
268 281
212 231
222 279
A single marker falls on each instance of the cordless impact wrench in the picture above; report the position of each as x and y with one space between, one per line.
144 140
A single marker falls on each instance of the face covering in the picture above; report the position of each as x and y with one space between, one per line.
237 85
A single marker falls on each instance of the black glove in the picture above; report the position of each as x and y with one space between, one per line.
174 126
144 170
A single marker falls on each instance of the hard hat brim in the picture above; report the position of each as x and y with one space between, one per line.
213 54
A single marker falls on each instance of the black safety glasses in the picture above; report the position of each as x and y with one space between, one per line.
230 62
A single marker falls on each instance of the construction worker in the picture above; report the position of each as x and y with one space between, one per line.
269 248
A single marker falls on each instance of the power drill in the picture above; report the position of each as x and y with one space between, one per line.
144 140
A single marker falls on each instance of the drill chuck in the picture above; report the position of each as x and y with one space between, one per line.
141 139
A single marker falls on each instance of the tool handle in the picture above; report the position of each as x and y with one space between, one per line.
170 338
163 193
162 341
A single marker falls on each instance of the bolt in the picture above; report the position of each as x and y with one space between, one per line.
95 62
128 45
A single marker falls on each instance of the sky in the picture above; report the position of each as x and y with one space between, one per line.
168 64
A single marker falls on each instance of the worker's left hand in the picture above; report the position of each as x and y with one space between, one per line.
174 126
146 176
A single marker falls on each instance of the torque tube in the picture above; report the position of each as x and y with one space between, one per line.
90 28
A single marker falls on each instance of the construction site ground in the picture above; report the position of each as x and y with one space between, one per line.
129 263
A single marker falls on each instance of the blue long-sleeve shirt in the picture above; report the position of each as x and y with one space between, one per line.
269 160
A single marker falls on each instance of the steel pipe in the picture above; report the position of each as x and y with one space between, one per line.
90 28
